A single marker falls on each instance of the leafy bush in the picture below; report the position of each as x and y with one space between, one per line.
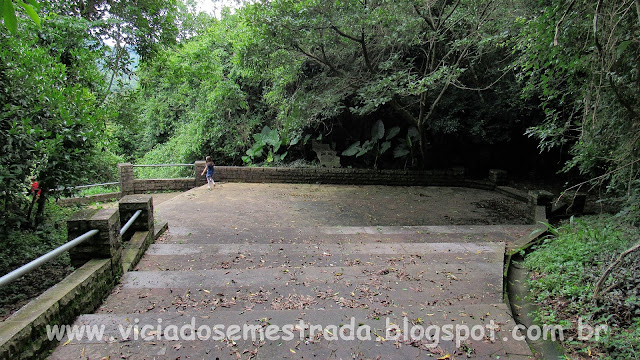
565 269
98 190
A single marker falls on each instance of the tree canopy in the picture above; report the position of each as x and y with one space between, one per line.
387 84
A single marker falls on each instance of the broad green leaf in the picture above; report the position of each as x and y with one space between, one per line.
377 132
413 133
10 20
366 147
400 151
34 3
296 139
31 12
393 132
352 150
622 47
385 146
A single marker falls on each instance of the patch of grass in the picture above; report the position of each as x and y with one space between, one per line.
165 172
564 271
97 190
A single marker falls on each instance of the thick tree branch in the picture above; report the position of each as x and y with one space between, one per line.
406 115
311 56
428 20
595 28
365 53
361 41
455 6
339 32
596 290
555 38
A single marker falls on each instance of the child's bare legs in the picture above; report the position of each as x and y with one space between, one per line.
209 182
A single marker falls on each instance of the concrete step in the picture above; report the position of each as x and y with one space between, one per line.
357 286
337 334
307 275
232 234
250 256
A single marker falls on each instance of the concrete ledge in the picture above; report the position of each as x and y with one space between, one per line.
451 177
513 193
23 335
159 229
540 214
141 186
135 248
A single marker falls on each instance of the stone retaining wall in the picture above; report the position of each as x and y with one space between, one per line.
452 177
99 265
437 177
141 186
23 335
90 199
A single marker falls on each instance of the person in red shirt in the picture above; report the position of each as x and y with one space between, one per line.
35 187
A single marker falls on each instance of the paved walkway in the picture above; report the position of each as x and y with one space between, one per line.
312 267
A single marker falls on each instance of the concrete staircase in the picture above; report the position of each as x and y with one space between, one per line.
271 259
336 279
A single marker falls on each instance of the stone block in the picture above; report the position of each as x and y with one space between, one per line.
125 172
105 244
577 203
498 177
202 179
129 204
541 198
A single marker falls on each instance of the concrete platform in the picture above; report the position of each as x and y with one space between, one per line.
268 257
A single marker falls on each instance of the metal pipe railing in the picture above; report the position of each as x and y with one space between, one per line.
95 185
62 188
161 165
27 268
130 222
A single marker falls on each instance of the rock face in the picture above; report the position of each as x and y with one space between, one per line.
326 156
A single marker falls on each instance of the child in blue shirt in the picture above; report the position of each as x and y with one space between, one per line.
209 170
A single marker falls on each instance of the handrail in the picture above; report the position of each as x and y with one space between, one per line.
161 165
62 188
95 185
130 222
29 267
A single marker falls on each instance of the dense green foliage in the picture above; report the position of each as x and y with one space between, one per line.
565 270
387 84
49 119
581 59
55 75
429 73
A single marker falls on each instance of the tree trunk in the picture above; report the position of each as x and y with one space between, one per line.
42 201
